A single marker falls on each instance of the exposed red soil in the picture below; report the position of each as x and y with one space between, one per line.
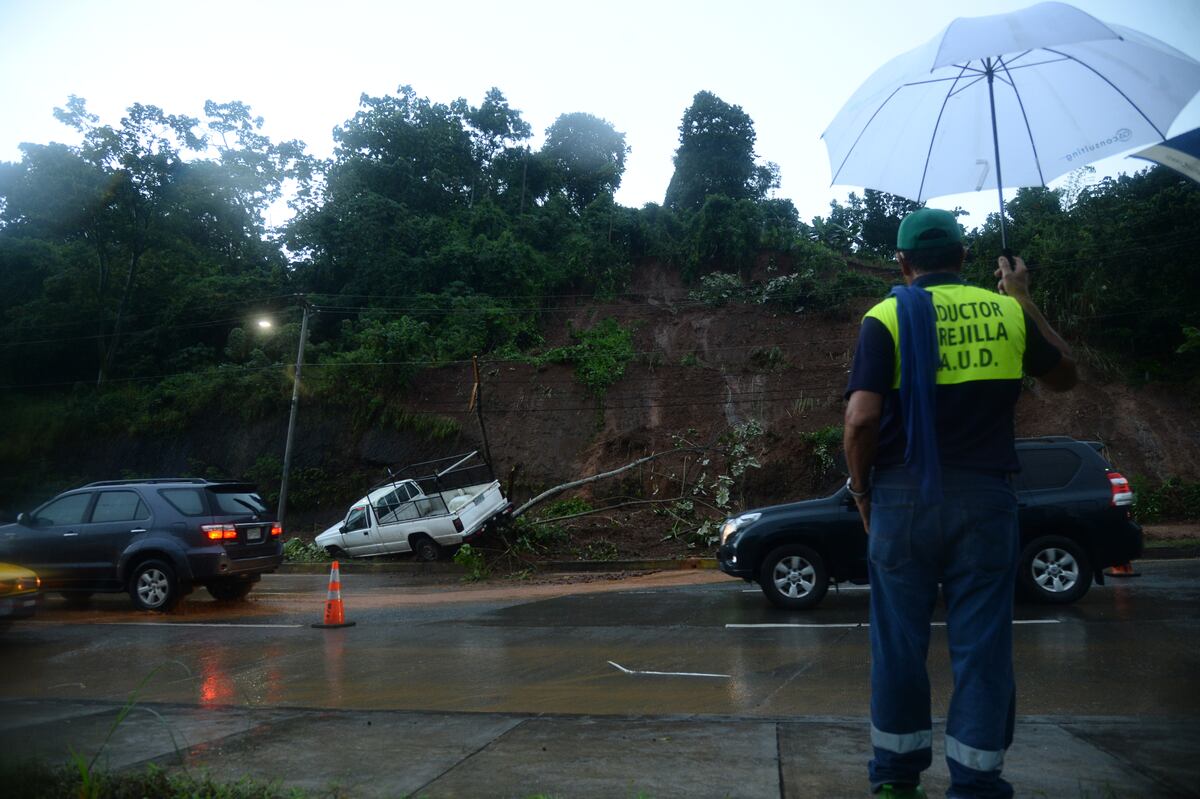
701 370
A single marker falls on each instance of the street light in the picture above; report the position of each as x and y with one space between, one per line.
265 324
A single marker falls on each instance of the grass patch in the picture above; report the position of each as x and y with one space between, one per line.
42 780
1173 543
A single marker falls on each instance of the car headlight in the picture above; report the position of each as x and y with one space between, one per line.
731 526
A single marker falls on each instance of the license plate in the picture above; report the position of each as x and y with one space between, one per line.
254 533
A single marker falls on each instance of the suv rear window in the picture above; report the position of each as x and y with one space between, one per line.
237 502
1046 468
185 500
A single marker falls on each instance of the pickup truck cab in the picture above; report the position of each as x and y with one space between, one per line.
423 514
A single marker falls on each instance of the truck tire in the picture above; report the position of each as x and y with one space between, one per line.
424 548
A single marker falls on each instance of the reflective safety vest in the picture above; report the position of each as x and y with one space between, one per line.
981 334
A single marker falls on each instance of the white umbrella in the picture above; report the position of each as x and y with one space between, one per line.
1043 90
1181 153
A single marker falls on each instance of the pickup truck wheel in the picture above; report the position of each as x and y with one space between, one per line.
794 577
336 553
153 586
232 590
1055 570
425 549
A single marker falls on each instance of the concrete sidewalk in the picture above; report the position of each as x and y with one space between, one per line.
406 753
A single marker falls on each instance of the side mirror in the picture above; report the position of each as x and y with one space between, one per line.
25 520
342 528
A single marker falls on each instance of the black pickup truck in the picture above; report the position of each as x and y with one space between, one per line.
1075 515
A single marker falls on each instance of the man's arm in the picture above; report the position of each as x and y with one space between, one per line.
1014 281
860 438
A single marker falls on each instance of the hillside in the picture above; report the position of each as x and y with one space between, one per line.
698 372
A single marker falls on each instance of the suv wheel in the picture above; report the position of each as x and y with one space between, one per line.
153 586
232 590
1054 569
794 577
426 549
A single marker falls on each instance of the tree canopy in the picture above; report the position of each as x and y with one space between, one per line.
716 156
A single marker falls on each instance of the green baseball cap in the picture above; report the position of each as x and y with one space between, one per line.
926 228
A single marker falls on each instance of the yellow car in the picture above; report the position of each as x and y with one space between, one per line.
19 592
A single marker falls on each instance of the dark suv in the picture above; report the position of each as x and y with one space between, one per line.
156 539
1075 514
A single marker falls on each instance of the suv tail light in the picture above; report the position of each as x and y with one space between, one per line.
219 532
1122 494
276 530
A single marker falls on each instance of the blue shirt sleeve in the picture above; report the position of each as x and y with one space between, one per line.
874 367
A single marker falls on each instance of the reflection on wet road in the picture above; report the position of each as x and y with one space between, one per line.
1129 648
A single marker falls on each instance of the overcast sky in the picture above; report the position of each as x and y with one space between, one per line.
303 65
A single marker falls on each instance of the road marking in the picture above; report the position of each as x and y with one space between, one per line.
802 626
163 624
866 624
624 670
837 588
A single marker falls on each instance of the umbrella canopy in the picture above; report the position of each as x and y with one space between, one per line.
1008 100
1181 153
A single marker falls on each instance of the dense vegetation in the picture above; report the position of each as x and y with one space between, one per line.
135 266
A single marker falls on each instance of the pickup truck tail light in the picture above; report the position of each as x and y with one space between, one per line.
219 532
458 525
276 530
1122 494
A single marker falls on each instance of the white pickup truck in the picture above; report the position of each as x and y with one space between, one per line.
399 516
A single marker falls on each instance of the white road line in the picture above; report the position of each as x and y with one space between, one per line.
839 588
163 624
624 670
802 626
865 624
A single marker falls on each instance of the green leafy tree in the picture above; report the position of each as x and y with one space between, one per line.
586 155
716 156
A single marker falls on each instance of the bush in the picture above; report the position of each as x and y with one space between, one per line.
297 551
1171 500
824 444
473 561
599 358
717 289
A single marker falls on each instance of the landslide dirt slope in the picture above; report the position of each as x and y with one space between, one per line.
702 369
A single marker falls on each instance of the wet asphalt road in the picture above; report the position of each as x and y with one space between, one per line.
1131 648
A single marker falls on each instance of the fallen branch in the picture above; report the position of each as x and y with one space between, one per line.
628 504
558 489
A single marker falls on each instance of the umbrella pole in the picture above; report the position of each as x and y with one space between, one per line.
991 72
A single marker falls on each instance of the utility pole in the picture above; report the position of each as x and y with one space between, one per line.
477 404
291 431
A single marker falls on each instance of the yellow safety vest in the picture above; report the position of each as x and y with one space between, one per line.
981 334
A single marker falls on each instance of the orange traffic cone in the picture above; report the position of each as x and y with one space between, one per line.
1125 570
335 616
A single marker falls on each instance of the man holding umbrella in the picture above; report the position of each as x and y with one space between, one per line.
1006 100
929 443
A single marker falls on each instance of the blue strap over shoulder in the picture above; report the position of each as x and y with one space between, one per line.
917 323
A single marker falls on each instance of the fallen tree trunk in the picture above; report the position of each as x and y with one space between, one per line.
558 489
